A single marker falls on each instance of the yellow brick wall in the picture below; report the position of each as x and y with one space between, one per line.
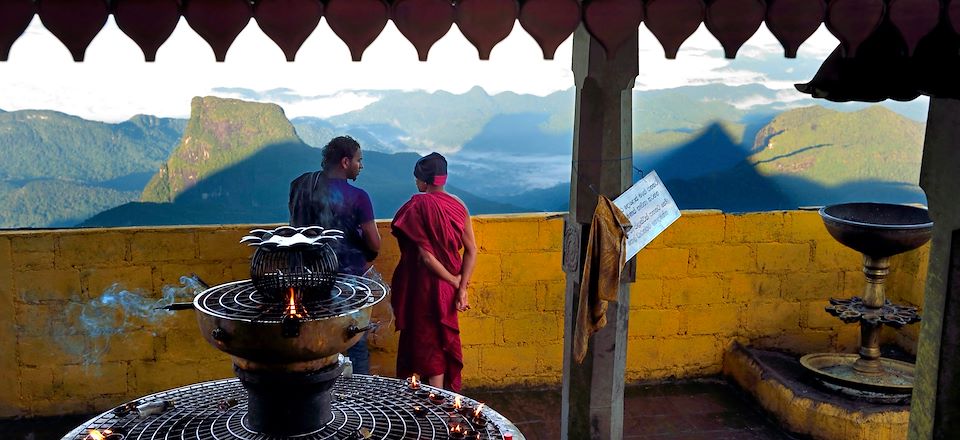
711 278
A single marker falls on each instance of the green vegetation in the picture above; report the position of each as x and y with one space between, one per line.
315 132
55 203
58 169
41 144
232 161
832 148
220 132
243 156
804 156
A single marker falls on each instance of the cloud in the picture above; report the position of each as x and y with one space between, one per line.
114 83
782 99
760 61
296 105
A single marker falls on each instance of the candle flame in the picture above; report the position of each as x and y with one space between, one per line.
476 412
456 428
457 403
414 381
432 396
96 435
292 307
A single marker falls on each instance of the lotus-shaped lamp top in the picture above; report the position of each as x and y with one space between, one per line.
289 237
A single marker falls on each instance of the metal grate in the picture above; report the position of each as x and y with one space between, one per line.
275 271
240 300
383 406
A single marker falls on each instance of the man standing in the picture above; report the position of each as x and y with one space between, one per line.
324 198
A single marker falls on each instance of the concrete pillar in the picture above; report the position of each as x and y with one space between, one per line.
602 164
935 408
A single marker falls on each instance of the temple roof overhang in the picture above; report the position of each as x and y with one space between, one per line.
888 48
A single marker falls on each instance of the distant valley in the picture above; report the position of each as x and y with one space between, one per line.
232 160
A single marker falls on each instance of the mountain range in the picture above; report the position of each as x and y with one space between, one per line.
59 169
235 163
232 160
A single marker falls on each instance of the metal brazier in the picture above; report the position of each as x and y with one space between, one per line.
232 320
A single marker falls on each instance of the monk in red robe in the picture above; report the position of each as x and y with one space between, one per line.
430 283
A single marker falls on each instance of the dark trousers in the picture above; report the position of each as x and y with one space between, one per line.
360 356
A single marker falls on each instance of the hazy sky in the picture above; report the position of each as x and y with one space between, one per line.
114 83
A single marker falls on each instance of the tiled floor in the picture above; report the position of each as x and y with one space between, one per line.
708 409
702 409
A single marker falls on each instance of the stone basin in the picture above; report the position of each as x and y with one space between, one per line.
878 229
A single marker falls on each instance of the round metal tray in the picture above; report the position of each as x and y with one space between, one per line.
837 368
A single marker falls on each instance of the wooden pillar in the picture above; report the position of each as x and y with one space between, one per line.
935 408
592 405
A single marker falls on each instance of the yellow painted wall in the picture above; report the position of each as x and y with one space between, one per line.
711 278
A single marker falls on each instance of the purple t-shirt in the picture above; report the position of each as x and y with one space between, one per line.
316 200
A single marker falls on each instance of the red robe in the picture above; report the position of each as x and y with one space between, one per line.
425 305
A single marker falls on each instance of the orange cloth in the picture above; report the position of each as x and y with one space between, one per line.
606 251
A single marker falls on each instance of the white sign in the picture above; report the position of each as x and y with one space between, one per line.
650 209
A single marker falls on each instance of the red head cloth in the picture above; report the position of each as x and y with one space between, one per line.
430 167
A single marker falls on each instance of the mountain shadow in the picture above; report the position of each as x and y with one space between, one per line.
737 191
256 189
712 171
709 171
808 193
712 150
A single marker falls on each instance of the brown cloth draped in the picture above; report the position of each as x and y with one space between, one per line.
425 305
606 255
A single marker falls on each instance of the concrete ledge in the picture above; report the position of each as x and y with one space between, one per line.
777 381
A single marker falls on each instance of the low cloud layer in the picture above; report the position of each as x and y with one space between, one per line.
114 83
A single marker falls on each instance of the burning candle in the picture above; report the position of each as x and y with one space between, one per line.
414 382
436 399
457 403
476 413
419 410
478 419
449 408
472 434
105 435
126 408
457 432
292 310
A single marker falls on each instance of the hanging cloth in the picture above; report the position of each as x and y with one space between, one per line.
606 251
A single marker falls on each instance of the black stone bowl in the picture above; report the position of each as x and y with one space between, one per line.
878 229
